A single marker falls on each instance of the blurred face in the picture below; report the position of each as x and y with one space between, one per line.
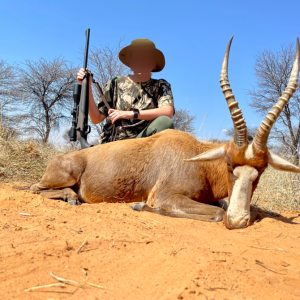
142 60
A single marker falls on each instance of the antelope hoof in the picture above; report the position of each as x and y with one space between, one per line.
138 207
74 202
223 204
219 215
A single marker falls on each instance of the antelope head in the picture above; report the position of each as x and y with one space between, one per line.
246 162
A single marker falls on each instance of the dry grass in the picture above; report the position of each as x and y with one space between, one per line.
26 161
278 191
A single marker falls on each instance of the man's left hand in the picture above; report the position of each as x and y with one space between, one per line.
115 114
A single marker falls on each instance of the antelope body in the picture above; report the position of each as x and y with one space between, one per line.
172 173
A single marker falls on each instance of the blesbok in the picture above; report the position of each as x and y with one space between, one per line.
174 173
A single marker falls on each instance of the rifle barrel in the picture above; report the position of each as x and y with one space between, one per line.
86 52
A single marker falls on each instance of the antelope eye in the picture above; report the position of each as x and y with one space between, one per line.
229 167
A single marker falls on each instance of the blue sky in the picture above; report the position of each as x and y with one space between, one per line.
192 35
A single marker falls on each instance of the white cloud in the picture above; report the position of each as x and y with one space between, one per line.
224 130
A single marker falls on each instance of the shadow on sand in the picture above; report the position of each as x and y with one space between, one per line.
259 213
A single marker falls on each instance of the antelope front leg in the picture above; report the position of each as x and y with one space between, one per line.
67 194
180 206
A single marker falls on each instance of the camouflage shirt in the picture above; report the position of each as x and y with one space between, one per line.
122 93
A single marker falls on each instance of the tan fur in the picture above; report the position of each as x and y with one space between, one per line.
132 170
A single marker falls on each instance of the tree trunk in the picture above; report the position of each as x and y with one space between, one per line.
48 128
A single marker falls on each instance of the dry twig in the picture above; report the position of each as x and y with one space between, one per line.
215 288
69 248
278 249
261 264
84 272
45 286
84 242
92 284
175 244
64 280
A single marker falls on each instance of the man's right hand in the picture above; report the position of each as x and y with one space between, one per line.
80 75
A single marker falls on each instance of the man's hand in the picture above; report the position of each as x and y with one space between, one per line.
115 114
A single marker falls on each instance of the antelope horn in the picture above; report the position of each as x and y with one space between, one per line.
240 128
262 134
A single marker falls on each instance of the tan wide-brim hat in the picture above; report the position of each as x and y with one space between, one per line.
124 54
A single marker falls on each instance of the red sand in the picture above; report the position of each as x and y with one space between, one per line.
139 255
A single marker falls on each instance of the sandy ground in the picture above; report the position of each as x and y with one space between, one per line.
141 255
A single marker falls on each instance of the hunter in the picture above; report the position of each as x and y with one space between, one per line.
141 106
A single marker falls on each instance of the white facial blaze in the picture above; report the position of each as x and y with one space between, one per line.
239 206
249 154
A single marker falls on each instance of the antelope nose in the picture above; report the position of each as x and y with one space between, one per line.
236 223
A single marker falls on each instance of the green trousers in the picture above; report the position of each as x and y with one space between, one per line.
159 124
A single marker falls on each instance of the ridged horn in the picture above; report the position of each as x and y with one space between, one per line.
239 125
262 134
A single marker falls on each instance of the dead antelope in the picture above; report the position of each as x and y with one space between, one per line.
172 172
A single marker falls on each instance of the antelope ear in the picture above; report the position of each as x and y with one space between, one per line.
209 155
281 164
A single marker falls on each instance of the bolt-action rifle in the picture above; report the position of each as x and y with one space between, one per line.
80 128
